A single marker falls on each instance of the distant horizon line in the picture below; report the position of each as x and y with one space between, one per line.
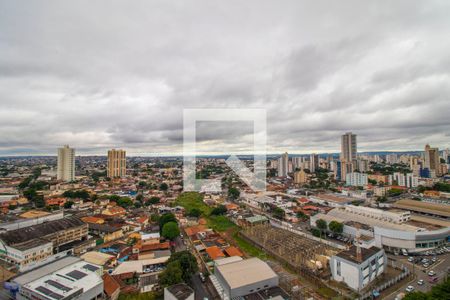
219 155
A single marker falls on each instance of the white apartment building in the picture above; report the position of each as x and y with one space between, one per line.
356 179
66 164
283 165
358 272
408 180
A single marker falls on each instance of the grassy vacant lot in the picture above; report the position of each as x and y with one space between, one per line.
248 248
191 200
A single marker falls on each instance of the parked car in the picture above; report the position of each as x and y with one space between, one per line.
426 265
434 259
411 259
420 282
431 273
202 277
409 289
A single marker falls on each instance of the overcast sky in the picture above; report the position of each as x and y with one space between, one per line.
103 74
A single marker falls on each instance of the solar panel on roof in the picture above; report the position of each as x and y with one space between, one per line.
76 274
58 285
49 293
90 267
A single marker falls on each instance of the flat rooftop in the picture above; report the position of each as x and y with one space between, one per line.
342 215
68 282
245 272
350 254
181 291
438 209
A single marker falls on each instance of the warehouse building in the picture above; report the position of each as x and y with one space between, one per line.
244 277
67 278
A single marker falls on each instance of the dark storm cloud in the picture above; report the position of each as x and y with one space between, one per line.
101 74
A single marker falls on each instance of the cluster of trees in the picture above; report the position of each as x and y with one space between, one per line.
322 226
278 213
81 194
168 226
233 193
386 169
438 292
218 210
180 267
395 192
438 186
124 202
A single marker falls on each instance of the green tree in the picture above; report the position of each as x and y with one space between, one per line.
152 200
336 227
170 230
218 210
321 225
187 262
173 274
278 213
195 212
124 202
163 187
68 204
166 218
233 193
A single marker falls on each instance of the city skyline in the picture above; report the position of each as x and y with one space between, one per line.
102 80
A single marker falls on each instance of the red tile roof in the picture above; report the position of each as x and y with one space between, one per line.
110 285
214 252
233 251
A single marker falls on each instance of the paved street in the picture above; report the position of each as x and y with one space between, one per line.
440 268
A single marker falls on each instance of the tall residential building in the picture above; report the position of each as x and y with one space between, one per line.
356 179
283 165
348 147
300 177
313 162
117 163
432 161
66 164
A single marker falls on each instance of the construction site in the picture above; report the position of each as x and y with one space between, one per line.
301 254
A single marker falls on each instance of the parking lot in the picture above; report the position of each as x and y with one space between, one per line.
430 268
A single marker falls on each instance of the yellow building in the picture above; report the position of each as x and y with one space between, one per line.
300 177
117 163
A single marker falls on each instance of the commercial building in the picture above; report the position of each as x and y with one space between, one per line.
414 235
283 165
180 291
117 163
348 147
28 247
358 270
66 164
356 179
245 277
68 278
